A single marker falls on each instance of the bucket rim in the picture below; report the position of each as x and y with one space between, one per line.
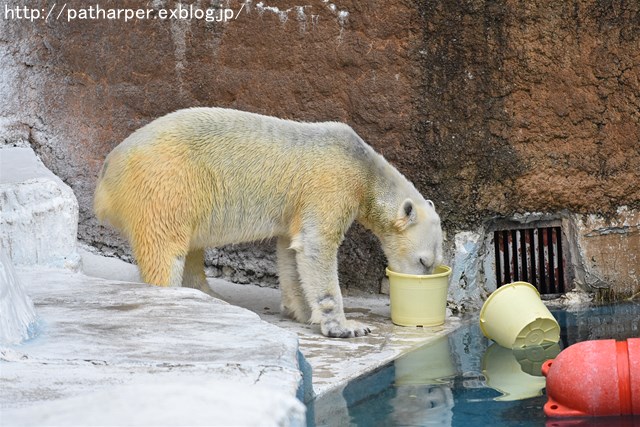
501 289
445 273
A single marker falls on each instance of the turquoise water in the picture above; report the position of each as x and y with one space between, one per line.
466 380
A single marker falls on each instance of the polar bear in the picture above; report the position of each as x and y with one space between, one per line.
206 177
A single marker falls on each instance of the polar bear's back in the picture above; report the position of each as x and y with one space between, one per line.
225 138
215 127
225 169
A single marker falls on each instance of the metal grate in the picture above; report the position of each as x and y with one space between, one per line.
531 255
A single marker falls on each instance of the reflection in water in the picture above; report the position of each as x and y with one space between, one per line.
466 380
433 405
431 364
503 370
532 358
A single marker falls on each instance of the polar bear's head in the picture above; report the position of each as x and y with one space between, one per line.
414 243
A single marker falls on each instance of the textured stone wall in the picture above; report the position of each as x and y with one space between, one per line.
530 106
490 107
608 252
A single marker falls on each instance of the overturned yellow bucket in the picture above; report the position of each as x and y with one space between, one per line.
419 300
514 316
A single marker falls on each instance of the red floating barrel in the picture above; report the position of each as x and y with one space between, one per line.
594 378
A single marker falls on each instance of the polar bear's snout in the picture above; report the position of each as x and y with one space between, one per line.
428 265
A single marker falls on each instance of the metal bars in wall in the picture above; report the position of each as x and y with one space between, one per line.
531 255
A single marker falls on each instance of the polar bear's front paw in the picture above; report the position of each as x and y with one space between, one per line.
349 329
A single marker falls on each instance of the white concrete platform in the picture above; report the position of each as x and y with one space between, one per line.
335 361
38 212
112 353
175 356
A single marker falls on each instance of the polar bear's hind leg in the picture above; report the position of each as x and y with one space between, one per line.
293 304
194 275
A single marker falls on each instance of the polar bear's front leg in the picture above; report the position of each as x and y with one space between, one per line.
318 270
294 303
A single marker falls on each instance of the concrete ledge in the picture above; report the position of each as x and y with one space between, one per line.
39 220
335 361
326 363
168 403
18 321
96 336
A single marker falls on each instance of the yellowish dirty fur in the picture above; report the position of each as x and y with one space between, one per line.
207 177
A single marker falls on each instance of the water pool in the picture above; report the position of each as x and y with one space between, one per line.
466 380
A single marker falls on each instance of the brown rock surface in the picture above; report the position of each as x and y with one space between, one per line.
533 107
489 107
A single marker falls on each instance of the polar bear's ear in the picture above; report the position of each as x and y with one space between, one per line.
406 215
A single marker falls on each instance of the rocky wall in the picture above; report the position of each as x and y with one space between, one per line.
490 107
529 107
608 254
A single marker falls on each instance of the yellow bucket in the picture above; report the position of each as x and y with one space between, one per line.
419 300
514 316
